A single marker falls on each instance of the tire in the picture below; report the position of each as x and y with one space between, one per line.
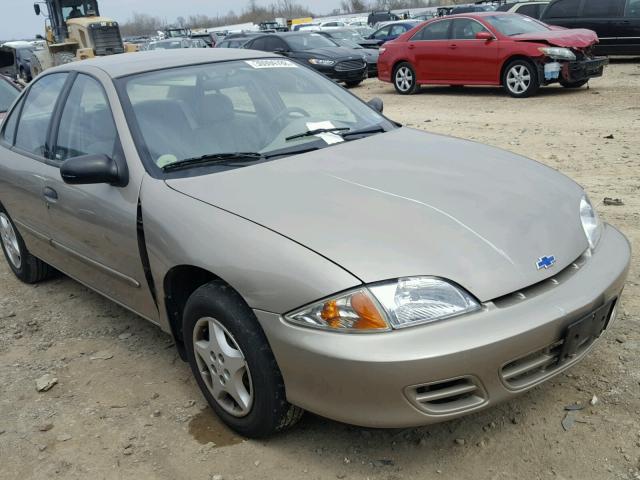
520 79
62 58
242 363
404 79
353 84
25 266
36 67
578 84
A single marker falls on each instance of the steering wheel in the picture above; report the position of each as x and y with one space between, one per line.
286 113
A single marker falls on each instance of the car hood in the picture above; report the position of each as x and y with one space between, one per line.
573 37
411 203
334 53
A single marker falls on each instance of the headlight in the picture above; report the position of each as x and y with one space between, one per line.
417 300
558 53
590 222
401 303
356 311
321 61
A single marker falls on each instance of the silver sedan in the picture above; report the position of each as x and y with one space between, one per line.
305 252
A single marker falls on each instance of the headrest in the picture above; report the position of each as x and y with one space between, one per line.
217 107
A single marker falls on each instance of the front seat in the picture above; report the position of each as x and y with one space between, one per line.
217 127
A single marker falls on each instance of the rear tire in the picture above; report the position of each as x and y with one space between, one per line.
233 363
404 79
25 266
520 79
62 58
353 84
577 84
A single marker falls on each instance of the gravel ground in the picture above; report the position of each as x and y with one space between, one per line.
125 406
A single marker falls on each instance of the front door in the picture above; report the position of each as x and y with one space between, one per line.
95 226
471 60
604 17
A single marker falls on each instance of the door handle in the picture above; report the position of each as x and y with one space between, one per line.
50 195
411 46
453 46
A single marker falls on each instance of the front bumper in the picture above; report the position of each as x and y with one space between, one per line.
459 365
354 75
584 69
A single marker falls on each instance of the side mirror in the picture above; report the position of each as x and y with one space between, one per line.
377 104
93 169
39 37
36 8
486 36
281 51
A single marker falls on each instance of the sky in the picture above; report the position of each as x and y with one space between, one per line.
18 20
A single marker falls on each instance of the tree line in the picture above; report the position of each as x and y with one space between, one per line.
145 24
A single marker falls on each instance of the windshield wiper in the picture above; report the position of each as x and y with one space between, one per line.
212 159
363 131
317 131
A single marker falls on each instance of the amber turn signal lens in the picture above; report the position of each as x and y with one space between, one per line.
370 318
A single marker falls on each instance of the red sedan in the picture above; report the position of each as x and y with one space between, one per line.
490 48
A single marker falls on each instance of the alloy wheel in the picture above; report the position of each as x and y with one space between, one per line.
518 79
223 367
404 79
10 241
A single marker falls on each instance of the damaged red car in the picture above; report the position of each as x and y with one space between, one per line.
490 48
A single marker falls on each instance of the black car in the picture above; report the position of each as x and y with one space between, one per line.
617 22
23 61
235 42
349 38
376 17
9 91
317 51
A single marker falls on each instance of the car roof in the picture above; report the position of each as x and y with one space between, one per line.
124 64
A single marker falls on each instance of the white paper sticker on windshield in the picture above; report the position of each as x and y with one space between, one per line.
328 137
271 63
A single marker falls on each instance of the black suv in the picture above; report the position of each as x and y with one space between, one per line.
316 51
617 22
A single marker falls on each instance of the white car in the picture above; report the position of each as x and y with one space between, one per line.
530 9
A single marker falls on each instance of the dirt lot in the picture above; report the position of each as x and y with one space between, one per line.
125 406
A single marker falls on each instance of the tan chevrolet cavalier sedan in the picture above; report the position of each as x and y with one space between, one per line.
305 252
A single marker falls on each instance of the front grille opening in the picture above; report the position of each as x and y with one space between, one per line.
527 370
448 396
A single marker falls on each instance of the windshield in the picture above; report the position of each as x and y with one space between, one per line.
347 35
168 45
7 95
242 106
511 25
309 42
78 8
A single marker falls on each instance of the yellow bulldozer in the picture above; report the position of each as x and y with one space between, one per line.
74 30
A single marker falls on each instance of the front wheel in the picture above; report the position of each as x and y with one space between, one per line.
404 79
25 266
520 78
578 84
353 84
233 363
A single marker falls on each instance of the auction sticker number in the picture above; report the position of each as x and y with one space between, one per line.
271 63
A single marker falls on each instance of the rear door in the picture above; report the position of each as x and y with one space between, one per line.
430 51
563 13
95 226
471 60
630 31
604 17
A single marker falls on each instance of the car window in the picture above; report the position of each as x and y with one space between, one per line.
633 9
466 29
36 113
382 33
9 132
434 31
273 44
514 24
259 44
397 30
602 8
8 93
86 125
309 41
563 9
530 10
